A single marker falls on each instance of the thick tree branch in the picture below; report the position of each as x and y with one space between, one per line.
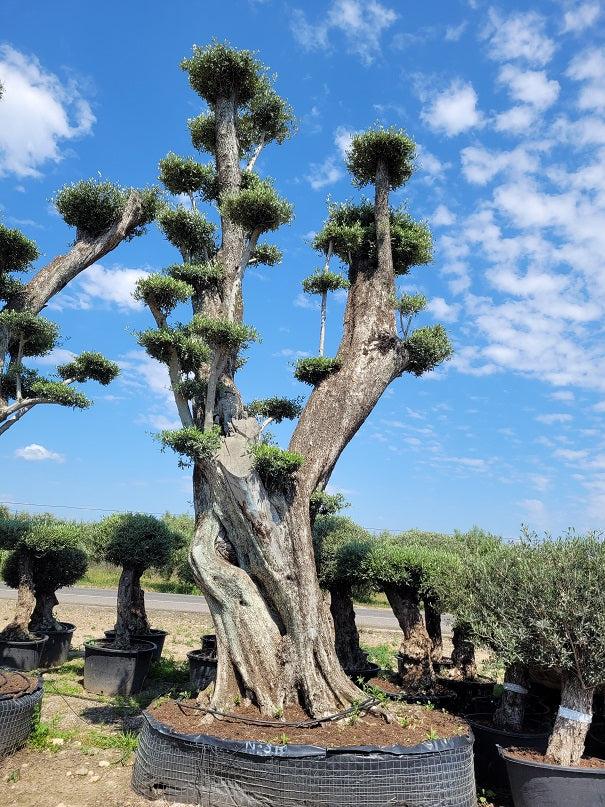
53 277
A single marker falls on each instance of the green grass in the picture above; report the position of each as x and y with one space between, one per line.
383 655
104 575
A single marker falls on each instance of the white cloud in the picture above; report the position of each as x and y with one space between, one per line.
530 86
37 453
57 356
589 66
37 114
453 33
322 174
580 18
142 373
479 165
453 111
442 310
520 36
362 23
304 300
430 164
442 217
516 120
554 417
342 138
99 285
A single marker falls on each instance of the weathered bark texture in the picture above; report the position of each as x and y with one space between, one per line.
416 667
17 629
132 618
511 712
463 655
432 620
346 640
566 744
43 617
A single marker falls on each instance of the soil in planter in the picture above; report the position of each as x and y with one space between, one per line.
414 724
533 756
389 685
14 684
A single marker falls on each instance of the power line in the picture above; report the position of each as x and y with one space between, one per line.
71 507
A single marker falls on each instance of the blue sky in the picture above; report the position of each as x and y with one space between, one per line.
506 104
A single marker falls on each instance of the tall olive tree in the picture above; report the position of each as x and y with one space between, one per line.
252 552
104 215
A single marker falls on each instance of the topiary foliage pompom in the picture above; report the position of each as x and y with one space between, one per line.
313 371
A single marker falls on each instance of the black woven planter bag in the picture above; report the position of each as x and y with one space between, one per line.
17 712
210 772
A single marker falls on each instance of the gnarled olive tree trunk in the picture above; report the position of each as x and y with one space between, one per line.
18 628
511 712
131 615
43 617
432 621
252 552
346 640
415 667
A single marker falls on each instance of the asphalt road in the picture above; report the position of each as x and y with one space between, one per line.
376 618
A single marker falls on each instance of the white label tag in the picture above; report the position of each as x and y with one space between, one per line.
571 714
515 688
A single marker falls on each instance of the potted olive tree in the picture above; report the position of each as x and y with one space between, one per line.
29 537
135 541
50 571
340 545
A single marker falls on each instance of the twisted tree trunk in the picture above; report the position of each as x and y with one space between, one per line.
131 616
415 666
17 629
511 712
349 653
43 618
432 621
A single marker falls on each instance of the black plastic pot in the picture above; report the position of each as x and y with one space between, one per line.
207 770
209 643
365 673
202 668
490 770
536 783
108 671
468 689
157 637
23 656
56 650
17 714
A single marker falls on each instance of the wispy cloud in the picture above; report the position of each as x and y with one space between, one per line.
38 114
37 453
97 286
361 23
519 36
578 19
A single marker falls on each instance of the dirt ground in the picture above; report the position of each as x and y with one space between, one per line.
75 775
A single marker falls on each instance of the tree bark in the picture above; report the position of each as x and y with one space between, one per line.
416 667
432 620
346 635
463 655
17 629
43 618
131 617
511 712
566 744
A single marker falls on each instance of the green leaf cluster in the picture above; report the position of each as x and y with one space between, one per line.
189 231
223 333
392 147
257 207
51 570
17 252
161 342
312 371
38 534
89 366
39 334
134 540
427 348
266 254
275 466
352 230
59 393
91 206
219 72
321 282
201 276
340 547
192 442
185 175
409 305
276 408
162 291
326 504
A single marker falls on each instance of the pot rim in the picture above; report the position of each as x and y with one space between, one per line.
508 757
